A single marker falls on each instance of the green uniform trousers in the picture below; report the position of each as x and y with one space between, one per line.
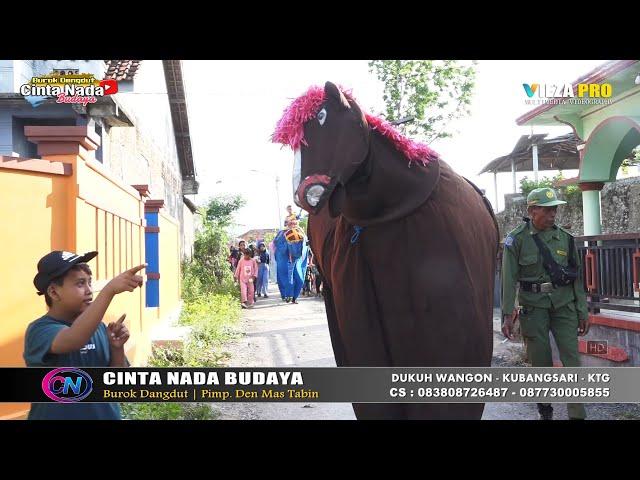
535 323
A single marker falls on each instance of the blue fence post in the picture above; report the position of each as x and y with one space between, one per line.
152 251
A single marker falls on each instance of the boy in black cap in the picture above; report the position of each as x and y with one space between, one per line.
72 334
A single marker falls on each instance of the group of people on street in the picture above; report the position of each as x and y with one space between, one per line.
296 273
251 270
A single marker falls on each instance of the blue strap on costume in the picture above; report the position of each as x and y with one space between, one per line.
356 235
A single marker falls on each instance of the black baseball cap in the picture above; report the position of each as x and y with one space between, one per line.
55 264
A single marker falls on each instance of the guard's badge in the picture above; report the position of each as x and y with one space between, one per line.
549 195
561 252
508 241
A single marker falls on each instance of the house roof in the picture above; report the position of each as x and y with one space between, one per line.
179 115
257 233
121 69
558 153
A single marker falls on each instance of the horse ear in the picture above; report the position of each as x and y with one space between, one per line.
331 91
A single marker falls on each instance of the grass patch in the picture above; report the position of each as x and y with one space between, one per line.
628 415
213 318
168 411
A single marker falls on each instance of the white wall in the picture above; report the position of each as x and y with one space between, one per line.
149 106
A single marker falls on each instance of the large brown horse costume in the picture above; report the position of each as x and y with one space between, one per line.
406 246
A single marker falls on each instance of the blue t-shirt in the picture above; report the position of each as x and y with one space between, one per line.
96 353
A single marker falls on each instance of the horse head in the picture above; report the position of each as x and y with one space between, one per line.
335 144
330 138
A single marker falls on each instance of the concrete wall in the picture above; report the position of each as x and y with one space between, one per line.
569 215
620 202
147 154
33 232
620 209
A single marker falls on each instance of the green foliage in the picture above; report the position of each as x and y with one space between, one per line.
212 318
567 192
434 92
269 236
209 270
168 411
151 411
199 280
527 186
304 223
210 257
219 210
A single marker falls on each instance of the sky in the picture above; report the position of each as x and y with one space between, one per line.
234 105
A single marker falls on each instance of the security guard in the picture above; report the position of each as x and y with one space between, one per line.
540 258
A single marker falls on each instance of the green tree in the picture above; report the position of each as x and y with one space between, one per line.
268 236
568 192
434 92
526 185
303 223
209 269
220 210
210 253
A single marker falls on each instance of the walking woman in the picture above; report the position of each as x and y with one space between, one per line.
263 271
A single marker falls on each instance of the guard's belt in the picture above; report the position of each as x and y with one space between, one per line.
536 287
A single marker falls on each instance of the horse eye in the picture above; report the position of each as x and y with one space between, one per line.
322 116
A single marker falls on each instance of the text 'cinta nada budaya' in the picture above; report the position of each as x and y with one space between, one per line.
202 378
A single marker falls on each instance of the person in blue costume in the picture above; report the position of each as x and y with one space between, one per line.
297 266
281 254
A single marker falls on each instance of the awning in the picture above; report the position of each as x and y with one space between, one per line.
558 153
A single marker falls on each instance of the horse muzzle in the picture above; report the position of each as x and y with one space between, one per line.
312 192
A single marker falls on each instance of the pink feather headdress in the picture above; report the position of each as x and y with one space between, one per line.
290 128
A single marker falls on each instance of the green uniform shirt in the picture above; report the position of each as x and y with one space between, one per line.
521 260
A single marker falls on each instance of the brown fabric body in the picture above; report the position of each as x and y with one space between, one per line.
414 291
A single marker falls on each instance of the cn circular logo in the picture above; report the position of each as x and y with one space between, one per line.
67 385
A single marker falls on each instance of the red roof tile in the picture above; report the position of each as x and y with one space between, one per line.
121 69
